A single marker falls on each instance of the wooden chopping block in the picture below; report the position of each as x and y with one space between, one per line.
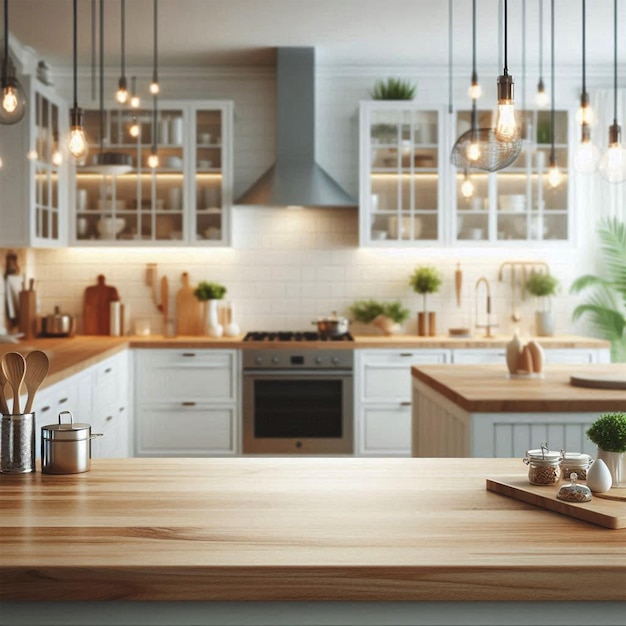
97 308
188 309
27 313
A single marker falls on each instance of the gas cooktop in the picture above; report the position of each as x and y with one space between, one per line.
275 336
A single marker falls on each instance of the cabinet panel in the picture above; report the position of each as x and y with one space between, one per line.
484 357
386 430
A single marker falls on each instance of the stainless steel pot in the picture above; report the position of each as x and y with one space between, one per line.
332 326
66 448
57 324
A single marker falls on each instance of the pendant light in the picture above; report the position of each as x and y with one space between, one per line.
154 85
479 148
554 174
135 102
467 187
541 99
13 105
153 159
78 146
587 155
506 125
122 92
613 162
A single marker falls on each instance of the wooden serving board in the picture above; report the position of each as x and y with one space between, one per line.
607 513
97 308
188 309
600 381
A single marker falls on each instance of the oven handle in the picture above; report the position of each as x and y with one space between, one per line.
294 373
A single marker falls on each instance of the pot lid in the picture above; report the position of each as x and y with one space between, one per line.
74 431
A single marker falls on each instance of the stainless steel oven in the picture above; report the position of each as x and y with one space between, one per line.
298 401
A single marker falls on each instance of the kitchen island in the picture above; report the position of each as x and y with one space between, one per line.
368 541
464 410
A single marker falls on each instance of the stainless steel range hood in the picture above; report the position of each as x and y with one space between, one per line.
296 179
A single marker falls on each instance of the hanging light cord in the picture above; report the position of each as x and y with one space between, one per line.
540 39
450 52
75 55
5 61
155 76
524 55
101 76
615 64
584 49
155 79
474 73
93 49
506 39
123 9
552 117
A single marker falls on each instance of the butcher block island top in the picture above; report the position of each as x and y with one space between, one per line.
295 529
488 388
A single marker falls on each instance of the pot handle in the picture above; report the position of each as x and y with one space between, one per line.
94 435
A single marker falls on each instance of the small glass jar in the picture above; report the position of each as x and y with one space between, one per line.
574 492
544 466
575 462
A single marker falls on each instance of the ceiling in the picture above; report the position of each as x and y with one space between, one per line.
344 32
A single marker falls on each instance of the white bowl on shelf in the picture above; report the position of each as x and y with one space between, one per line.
512 202
402 230
110 227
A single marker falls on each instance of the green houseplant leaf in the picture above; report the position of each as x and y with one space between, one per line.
608 432
209 291
367 311
541 284
393 89
425 280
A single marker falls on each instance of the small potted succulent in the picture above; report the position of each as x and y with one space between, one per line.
388 316
425 280
543 285
393 89
608 432
211 293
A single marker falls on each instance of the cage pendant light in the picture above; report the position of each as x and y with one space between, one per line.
506 124
541 98
122 91
479 148
554 174
77 144
13 103
613 162
587 155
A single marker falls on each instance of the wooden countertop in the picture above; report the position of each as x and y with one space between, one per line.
488 389
295 529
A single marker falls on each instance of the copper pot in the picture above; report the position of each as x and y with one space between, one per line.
332 326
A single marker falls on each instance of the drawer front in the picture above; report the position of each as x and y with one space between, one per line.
115 440
570 357
480 357
386 430
186 376
172 429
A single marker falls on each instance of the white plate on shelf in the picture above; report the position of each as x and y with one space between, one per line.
213 210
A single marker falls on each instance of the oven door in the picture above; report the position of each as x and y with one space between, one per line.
302 412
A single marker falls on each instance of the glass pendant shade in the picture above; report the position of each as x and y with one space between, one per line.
153 160
467 187
541 98
134 129
122 93
587 156
506 124
78 145
612 165
555 176
13 104
135 102
475 91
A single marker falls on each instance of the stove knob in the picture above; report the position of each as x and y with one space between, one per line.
318 360
275 360
335 360
258 360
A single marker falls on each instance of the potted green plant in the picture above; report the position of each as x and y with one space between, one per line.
543 285
388 316
425 280
607 303
393 89
211 292
608 432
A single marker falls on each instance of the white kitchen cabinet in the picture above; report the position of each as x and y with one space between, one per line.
33 202
553 356
383 398
517 203
187 402
187 199
401 160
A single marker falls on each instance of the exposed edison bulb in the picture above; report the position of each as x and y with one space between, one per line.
475 91
121 96
13 105
32 155
613 162
584 115
473 151
154 87
134 129
586 158
9 99
135 102
506 124
153 160
554 176
57 157
77 145
541 97
467 188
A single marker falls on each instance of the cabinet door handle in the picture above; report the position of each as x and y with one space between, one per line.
406 354
45 408
108 418
188 403
188 354
62 400
405 403
122 409
107 370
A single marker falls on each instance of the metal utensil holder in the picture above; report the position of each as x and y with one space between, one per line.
17 443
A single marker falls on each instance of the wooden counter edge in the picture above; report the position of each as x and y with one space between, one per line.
324 583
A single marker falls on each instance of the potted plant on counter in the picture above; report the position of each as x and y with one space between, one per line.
608 432
425 280
211 293
543 285
388 316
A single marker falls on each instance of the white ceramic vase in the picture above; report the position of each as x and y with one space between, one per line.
544 324
213 326
616 462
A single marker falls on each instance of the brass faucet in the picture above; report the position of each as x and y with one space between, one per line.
488 325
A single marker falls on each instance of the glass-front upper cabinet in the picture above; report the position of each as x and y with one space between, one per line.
518 203
400 185
185 199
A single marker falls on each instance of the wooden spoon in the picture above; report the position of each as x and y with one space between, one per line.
4 409
14 368
37 364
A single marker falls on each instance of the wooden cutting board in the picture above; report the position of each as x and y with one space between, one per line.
97 307
600 381
607 513
188 309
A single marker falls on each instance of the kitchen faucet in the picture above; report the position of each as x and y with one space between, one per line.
488 325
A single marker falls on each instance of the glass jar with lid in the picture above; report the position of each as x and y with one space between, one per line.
544 466
575 463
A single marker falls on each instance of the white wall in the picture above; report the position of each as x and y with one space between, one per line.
286 268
